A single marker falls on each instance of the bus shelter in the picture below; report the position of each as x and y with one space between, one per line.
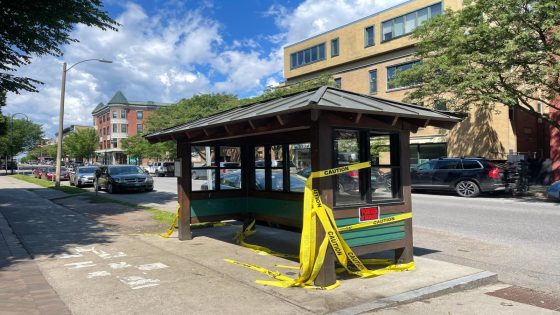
251 162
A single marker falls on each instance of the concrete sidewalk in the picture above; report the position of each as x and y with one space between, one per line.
100 262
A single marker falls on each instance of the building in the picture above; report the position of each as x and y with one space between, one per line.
66 131
364 55
117 120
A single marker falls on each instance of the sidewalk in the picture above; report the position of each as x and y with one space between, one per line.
96 258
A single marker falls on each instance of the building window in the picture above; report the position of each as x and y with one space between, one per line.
373 82
440 105
139 128
108 117
307 56
406 24
114 114
369 36
124 128
338 83
103 117
115 128
114 143
380 183
334 47
139 115
393 70
123 114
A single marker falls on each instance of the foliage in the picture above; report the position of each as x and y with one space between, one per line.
41 151
81 143
491 51
38 28
23 136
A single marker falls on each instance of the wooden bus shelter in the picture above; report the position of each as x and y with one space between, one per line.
251 161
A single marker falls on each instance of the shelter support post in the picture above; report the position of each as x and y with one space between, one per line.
321 158
184 190
405 254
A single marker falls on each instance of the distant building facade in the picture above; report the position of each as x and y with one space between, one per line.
68 130
363 56
118 120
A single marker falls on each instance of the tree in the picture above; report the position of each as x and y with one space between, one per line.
29 28
81 143
41 151
490 52
137 146
24 136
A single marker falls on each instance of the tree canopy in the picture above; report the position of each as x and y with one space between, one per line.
491 51
24 136
35 28
81 143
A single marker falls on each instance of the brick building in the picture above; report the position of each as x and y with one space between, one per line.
364 55
117 120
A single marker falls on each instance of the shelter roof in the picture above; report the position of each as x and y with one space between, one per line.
321 98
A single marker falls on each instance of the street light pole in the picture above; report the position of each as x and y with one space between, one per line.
12 141
61 116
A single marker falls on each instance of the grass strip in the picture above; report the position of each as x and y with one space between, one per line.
49 184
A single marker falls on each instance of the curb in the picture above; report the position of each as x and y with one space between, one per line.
464 283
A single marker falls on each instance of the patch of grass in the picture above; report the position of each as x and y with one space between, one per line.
161 216
49 184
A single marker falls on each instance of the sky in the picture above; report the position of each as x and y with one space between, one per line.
168 50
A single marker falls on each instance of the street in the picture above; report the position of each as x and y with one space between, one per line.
515 238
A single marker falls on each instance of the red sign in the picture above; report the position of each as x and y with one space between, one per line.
369 213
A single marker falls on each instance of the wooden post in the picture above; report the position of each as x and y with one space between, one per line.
321 158
405 254
184 190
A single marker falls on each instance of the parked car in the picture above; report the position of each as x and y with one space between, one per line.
349 182
122 177
49 173
161 168
553 191
38 171
83 175
468 177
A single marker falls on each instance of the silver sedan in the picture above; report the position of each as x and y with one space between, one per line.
83 175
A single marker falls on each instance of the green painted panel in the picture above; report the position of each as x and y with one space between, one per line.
275 207
217 206
373 235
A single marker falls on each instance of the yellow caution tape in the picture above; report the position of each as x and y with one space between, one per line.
312 254
173 224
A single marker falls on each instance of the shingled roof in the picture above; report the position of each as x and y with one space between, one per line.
322 98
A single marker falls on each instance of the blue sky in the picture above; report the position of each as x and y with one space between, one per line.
168 50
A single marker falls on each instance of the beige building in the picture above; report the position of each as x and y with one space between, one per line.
364 55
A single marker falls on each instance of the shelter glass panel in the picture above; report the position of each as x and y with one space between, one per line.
230 157
385 170
347 151
259 175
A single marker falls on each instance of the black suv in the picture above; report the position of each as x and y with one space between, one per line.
467 176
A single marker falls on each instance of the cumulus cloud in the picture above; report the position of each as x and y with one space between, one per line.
174 53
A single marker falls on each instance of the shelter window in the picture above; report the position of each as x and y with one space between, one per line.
203 164
282 167
206 172
381 183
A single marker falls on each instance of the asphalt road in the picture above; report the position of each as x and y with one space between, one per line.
518 239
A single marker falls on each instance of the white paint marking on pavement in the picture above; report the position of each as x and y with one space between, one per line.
119 254
153 266
84 249
119 265
96 274
136 282
102 254
82 264
66 256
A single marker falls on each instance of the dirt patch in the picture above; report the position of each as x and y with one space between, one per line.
122 218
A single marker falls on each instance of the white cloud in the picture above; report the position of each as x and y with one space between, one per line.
172 54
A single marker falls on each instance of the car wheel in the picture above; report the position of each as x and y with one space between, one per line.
150 189
110 188
467 188
157 174
79 184
71 183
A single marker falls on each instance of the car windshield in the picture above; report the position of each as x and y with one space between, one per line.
52 169
125 170
87 169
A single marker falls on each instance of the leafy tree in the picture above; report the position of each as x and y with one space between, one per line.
22 137
81 143
41 151
39 28
491 51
